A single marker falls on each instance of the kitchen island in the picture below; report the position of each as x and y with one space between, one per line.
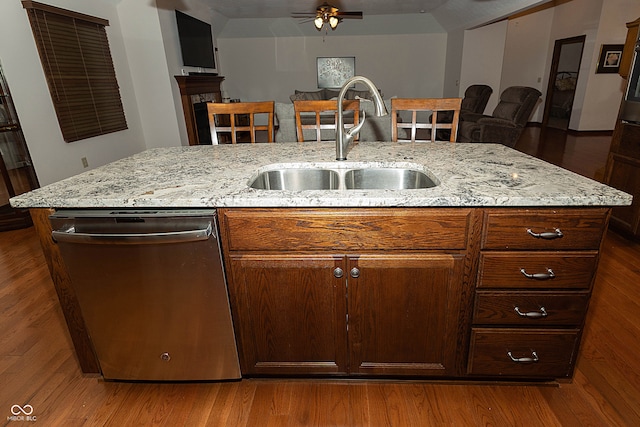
486 275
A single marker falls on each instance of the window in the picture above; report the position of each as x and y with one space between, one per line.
75 55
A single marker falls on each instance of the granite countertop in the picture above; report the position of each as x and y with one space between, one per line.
218 176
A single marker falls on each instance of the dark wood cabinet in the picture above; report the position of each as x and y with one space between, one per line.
530 353
438 293
623 164
17 174
400 310
293 312
445 293
349 291
623 173
537 269
404 313
627 52
537 308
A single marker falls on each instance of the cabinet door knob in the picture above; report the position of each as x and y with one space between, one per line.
531 314
538 276
355 272
532 359
548 235
338 272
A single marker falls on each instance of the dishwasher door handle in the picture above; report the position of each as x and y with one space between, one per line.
69 235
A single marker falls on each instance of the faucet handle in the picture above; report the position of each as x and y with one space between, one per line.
351 133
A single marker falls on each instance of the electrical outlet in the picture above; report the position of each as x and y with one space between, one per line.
85 163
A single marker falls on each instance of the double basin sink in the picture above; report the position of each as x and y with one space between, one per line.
343 176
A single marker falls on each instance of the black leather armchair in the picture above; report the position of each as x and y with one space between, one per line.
506 123
474 102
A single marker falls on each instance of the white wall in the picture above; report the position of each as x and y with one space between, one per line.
526 66
528 43
453 65
53 158
597 98
604 92
482 59
266 68
171 56
150 75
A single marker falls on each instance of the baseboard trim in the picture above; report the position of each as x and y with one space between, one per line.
575 132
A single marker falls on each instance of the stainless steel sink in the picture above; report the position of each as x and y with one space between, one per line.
342 176
386 179
295 179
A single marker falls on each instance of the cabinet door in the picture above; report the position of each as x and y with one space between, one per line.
404 314
625 176
293 312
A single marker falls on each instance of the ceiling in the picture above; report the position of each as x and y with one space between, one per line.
283 8
451 14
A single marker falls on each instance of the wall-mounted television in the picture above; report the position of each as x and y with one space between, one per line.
196 42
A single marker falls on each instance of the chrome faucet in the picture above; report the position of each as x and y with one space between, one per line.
345 137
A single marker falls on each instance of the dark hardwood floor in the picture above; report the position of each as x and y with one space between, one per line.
38 366
581 152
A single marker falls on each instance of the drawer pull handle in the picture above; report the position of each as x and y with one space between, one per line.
532 359
539 276
532 314
548 235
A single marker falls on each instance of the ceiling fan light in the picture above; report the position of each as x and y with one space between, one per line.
333 22
318 23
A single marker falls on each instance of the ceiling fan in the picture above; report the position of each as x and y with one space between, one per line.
326 14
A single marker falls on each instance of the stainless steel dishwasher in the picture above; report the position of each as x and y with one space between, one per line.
152 292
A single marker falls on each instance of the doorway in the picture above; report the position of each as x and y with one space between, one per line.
563 77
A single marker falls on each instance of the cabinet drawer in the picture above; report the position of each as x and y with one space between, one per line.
556 229
530 308
538 353
537 270
345 229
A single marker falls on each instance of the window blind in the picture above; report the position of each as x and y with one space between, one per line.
75 55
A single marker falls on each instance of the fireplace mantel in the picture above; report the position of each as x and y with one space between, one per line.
197 85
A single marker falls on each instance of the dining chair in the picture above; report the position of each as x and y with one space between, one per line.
236 120
423 114
322 115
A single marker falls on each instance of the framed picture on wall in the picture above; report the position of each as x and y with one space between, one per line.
333 72
610 56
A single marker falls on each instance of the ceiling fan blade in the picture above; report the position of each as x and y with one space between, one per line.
350 15
303 15
326 7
